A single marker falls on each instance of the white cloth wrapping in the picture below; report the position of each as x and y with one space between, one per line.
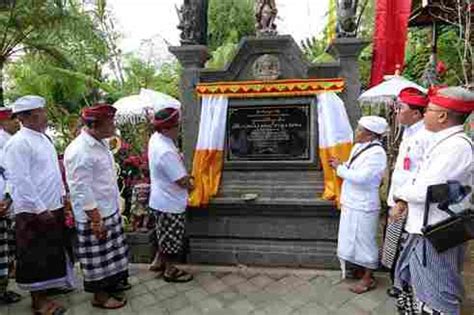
91 177
166 167
32 169
357 240
360 205
449 157
415 141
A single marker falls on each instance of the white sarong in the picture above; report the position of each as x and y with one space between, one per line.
357 239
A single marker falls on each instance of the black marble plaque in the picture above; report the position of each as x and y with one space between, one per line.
269 133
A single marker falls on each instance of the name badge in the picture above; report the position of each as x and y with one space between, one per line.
406 163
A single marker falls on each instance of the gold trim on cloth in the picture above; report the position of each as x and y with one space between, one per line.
276 88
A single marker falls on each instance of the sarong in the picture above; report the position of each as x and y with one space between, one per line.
7 245
42 261
170 228
391 244
439 284
104 262
357 237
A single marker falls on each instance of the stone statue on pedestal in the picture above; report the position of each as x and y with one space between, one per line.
265 13
346 18
192 22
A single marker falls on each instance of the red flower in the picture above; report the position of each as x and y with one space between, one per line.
133 161
441 68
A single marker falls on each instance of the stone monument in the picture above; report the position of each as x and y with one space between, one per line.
268 210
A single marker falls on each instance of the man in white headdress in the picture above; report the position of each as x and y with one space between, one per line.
360 202
37 191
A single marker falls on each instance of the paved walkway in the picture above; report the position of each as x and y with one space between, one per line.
229 291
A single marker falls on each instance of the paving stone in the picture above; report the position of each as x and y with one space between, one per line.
214 286
277 288
142 301
138 289
312 309
246 288
261 281
196 294
154 310
278 308
233 279
242 307
175 303
164 292
228 297
209 304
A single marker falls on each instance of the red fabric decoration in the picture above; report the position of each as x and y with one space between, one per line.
98 112
166 118
391 26
413 97
5 113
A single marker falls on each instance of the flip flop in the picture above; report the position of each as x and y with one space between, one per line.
361 287
9 297
178 276
50 308
109 303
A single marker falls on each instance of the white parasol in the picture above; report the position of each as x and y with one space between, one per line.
390 88
136 108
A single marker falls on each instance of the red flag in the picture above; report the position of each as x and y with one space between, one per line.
391 26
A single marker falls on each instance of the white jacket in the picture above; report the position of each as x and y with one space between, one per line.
362 178
414 143
448 158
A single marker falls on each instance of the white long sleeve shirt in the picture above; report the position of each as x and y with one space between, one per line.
4 137
91 177
449 157
166 167
32 168
415 141
361 179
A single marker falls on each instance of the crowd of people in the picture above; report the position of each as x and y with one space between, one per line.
434 150
37 205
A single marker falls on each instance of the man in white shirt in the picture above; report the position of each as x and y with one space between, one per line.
436 277
170 184
411 107
360 202
37 192
92 180
8 126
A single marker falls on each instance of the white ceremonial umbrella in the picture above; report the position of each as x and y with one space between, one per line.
159 100
136 108
390 88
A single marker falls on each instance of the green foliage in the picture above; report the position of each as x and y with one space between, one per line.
221 56
229 21
143 74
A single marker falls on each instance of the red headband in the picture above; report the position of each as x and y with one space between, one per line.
98 112
413 97
5 113
454 104
166 118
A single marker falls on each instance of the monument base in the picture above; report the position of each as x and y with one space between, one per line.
287 226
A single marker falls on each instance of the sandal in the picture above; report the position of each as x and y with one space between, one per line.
178 276
9 297
110 303
50 308
361 287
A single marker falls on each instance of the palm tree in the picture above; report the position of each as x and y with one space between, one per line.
36 26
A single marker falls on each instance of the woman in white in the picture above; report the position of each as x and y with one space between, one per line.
360 201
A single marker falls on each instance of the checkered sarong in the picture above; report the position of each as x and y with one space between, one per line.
391 244
170 232
104 263
7 245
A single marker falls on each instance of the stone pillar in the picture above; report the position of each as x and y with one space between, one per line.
347 50
192 58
